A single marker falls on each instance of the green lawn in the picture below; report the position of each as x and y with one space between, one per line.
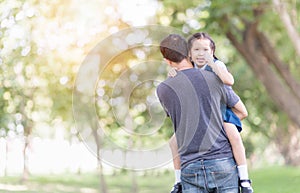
276 180
269 180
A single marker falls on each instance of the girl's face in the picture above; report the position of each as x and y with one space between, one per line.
199 48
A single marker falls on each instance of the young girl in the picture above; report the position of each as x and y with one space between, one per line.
202 49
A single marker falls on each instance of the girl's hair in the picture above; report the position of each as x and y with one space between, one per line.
202 35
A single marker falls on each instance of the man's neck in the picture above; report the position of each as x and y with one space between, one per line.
184 64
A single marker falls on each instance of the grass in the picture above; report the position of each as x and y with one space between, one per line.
268 180
276 180
87 183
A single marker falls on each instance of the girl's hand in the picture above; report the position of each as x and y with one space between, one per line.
209 58
172 72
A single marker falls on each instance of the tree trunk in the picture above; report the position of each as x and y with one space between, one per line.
102 183
26 173
134 186
288 143
6 156
103 187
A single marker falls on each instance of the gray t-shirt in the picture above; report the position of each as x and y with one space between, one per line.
193 100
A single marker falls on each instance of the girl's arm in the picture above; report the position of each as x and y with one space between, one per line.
240 110
172 72
222 73
220 70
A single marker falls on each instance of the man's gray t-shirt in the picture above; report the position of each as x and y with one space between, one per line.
193 100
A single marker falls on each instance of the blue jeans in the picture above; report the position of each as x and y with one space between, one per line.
210 176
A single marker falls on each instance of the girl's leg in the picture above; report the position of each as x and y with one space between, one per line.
239 154
236 142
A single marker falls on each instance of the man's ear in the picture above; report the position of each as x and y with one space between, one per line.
169 62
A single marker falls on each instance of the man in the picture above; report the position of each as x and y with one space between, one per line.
192 99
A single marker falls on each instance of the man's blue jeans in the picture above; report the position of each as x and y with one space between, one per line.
210 176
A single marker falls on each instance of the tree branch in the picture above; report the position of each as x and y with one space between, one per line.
285 18
281 68
279 91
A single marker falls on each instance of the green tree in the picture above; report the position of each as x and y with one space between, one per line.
19 78
42 45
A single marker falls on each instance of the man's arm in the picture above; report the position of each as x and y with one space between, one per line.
160 90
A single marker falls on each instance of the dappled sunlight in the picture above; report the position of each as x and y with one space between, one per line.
116 89
57 37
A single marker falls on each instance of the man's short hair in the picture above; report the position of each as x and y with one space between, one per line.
174 48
